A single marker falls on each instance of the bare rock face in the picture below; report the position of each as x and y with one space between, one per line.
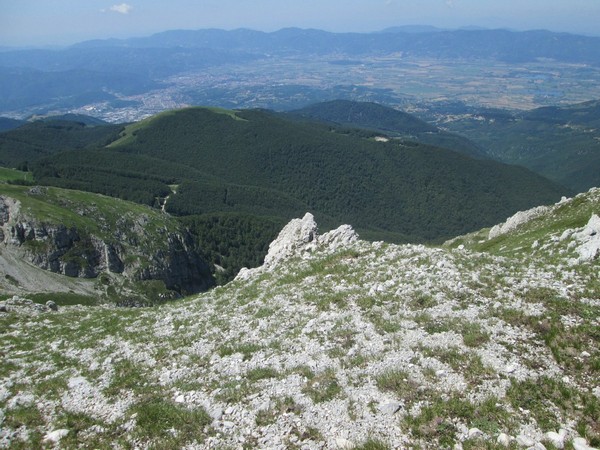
297 235
77 253
340 237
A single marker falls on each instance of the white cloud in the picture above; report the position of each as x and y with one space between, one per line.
123 8
450 3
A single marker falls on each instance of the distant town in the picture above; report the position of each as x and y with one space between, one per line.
408 83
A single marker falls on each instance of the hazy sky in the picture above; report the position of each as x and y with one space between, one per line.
59 22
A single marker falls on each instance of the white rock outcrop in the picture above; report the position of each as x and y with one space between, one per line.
338 238
517 220
300 236
588 240
295 237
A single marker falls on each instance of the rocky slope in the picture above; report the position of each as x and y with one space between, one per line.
92 237
334 343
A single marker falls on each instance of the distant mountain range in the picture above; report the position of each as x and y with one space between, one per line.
106 70
499 44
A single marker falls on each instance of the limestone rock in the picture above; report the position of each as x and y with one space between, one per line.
517 220
581 444
294 237
56 435
557 439
503 439
525 441
344 444
390 408
475 433
340 237
23 306
297 237
51 305
588 240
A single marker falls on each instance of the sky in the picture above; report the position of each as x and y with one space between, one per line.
64 22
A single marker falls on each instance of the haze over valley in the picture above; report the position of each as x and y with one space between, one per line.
292 68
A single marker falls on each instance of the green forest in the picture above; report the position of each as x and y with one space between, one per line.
389 122
231 241
560 143
254 170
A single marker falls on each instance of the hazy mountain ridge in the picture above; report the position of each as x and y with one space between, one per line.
390 122
109 75
560 143
336 342
501 44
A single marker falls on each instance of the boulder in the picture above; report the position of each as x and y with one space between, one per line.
55 436
503 439
588 240
295 236
51 305
580 443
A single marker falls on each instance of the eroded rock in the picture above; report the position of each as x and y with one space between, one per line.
517 220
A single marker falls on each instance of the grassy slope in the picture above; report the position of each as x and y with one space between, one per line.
450 340
572 214
14 175
88 212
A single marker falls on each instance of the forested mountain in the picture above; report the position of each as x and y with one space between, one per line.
7 123
560 143
70 117
257 162
34 140
388 121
